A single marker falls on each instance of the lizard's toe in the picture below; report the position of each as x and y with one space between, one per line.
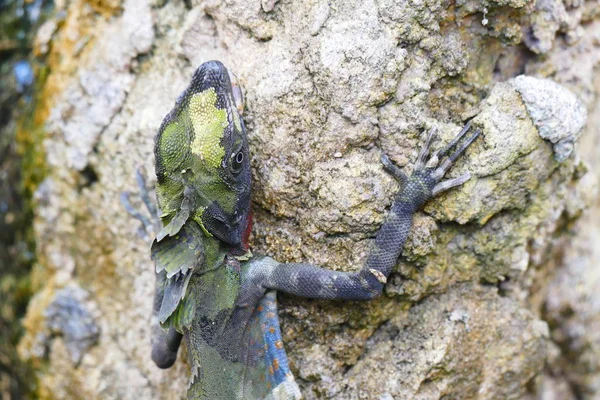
424 153
440 171
450 183
393 169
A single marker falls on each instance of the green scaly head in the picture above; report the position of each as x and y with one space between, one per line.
202 160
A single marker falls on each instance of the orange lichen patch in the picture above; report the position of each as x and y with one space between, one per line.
34 323
270 315
64 58
68 47
271 371
262 377
272 329
106 7
259 308
275 364
279 344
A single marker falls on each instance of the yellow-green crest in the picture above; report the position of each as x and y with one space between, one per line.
209 124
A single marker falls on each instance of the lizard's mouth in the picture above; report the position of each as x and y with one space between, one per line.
232 230
239 240
239 246
239 234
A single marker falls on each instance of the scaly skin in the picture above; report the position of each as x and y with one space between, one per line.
209 289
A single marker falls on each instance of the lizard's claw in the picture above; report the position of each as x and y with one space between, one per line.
149 225
393 169
450 183
441 170
135 213
140 178
442 152
420 164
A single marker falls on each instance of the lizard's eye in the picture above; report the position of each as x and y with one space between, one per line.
236 162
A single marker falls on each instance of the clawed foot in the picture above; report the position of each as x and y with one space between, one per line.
148 226
428 168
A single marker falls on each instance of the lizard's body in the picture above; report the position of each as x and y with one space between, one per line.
209 289
243 344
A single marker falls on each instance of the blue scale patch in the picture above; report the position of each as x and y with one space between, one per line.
275 357
270 378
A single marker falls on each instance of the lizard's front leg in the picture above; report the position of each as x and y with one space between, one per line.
311 281
165 344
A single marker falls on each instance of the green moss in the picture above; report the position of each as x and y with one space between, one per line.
17 250
30 136
25 167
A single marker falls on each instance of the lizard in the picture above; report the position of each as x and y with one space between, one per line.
210 289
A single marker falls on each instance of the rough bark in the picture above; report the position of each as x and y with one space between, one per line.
496 294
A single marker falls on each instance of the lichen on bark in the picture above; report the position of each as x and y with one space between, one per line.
329 87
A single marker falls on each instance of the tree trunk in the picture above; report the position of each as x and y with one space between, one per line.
497 292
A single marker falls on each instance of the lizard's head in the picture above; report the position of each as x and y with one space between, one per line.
202 156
